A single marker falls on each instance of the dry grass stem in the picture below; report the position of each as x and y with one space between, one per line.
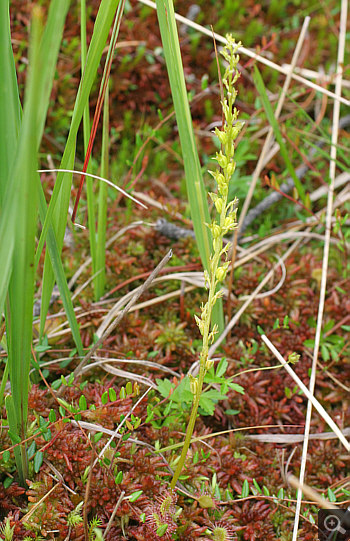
332 169
310 493
115 323
252 54
332 425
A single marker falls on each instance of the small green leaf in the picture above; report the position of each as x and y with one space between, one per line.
112 395
52 416
221 367
6 456
287 392
31 450
164 386
8 482
56 384
260 330
276 325
162 530
104 398
43 424
346 327
38 460
331 496
98 436
245 489
122 393
206 502
14 437
82 403
128 388
325 353
232 412
255 483
236 387
118 478
135 495
143 518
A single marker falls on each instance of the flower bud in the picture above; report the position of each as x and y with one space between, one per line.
209 364
220 273
193 385
293 358
219 204
230 169
216 231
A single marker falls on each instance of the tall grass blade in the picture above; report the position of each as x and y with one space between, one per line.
98 109
86 131
60 276
18 451
10 107
23 201
10 118
58 207
100 279
259 83
195 187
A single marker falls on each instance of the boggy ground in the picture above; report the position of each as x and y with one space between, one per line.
234 480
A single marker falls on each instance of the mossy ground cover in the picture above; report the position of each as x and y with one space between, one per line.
234 481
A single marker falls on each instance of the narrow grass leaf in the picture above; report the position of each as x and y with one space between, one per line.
58 207
195 187
10 107
259 83
100 280
22 187
14 432
60 277
86 132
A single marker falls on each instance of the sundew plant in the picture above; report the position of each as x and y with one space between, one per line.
224 222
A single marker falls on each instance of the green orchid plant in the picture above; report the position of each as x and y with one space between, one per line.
224 222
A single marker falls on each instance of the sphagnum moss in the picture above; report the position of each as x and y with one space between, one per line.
221 225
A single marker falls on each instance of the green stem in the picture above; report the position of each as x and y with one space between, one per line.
202 371
190 429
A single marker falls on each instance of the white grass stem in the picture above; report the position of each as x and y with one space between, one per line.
332 425
97 178
108 244
252 54
110 522
310 493
332 168
311 74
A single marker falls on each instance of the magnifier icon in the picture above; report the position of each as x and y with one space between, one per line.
332 523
